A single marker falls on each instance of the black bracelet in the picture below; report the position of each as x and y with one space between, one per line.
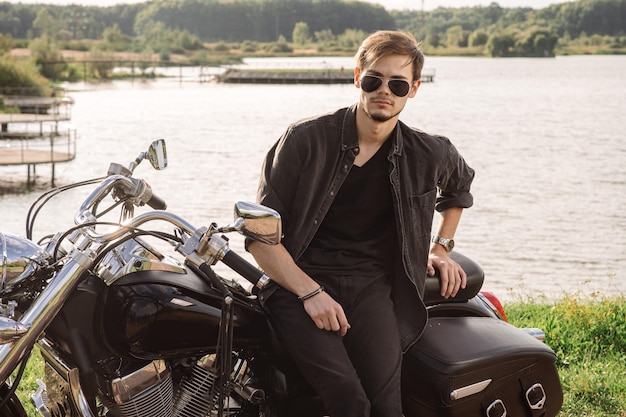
311 294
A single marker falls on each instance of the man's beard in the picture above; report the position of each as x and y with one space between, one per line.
381 118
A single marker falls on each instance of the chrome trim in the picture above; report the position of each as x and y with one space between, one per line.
492 407
10 330
258 222
39 399
16 260
263 281
128 387
536 405
133 256
66 374
42 311
468 390
535 332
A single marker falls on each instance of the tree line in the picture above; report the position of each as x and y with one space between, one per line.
195 27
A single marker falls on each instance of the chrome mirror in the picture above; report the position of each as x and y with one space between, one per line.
157 154
258 222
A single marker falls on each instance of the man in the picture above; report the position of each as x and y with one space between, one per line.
357 190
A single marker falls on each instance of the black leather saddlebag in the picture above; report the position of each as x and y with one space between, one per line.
476 366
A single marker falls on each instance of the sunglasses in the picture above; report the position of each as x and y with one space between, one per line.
370 83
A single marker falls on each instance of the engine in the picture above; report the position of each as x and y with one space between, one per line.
155 390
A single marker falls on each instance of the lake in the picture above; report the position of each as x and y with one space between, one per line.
545 137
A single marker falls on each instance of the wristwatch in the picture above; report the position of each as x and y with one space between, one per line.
447 243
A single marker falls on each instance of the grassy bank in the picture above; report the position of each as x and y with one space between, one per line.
587 333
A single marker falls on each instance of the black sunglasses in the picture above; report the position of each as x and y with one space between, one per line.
398 87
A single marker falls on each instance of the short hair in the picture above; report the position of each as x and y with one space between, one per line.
389 42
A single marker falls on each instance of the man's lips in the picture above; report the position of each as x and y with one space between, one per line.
381 102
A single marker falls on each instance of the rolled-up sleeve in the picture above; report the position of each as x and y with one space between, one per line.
455 182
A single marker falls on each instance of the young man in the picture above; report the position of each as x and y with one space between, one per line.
357 190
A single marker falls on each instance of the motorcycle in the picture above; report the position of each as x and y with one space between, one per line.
134 321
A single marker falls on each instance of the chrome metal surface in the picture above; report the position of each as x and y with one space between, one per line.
193 395
42 311
16 255
536 397
133 256
536 333
145 392
130 386
40 399
137 221
259 222
468 390
157 154
10 330
496 409
63 393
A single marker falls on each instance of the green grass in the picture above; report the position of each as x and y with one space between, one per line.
588 333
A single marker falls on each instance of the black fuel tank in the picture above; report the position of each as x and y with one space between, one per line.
157 314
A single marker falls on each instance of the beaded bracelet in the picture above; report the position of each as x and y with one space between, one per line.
311 294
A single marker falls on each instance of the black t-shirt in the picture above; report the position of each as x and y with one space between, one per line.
358 234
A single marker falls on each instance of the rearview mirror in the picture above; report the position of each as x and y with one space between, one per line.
258 222
157 154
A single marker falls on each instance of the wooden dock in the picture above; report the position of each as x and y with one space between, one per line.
285 77
237 76
35 138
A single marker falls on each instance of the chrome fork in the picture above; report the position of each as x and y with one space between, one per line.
41 313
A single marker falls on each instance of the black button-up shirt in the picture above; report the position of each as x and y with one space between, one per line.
304 170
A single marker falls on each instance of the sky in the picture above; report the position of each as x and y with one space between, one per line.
388 4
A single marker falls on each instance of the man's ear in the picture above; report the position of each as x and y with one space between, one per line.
357 77
414 87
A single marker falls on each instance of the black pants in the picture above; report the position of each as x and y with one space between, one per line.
357 375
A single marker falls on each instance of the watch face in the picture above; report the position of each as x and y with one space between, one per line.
450 244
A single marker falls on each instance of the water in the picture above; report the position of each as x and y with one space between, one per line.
544 135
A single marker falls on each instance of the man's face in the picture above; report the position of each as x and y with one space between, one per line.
385 87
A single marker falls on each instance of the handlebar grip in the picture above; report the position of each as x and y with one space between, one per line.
157 203
245 269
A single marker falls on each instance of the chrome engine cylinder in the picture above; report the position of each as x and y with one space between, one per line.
193 394
145 392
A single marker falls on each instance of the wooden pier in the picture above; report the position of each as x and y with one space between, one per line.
238 76
34 136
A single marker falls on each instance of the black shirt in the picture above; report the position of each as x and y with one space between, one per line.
358 233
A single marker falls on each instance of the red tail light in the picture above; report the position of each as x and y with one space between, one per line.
497 305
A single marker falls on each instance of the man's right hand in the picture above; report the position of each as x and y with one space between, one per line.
326 313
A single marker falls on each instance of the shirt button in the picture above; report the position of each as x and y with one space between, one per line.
332 193
315 221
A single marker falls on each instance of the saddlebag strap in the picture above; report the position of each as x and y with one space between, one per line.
534 394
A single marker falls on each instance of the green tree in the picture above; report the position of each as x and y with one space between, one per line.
537 42
478 38
101 64
48 58
351 39
44 23
501 44
114 40
22 74
300 35
325 35
456 36
6 43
